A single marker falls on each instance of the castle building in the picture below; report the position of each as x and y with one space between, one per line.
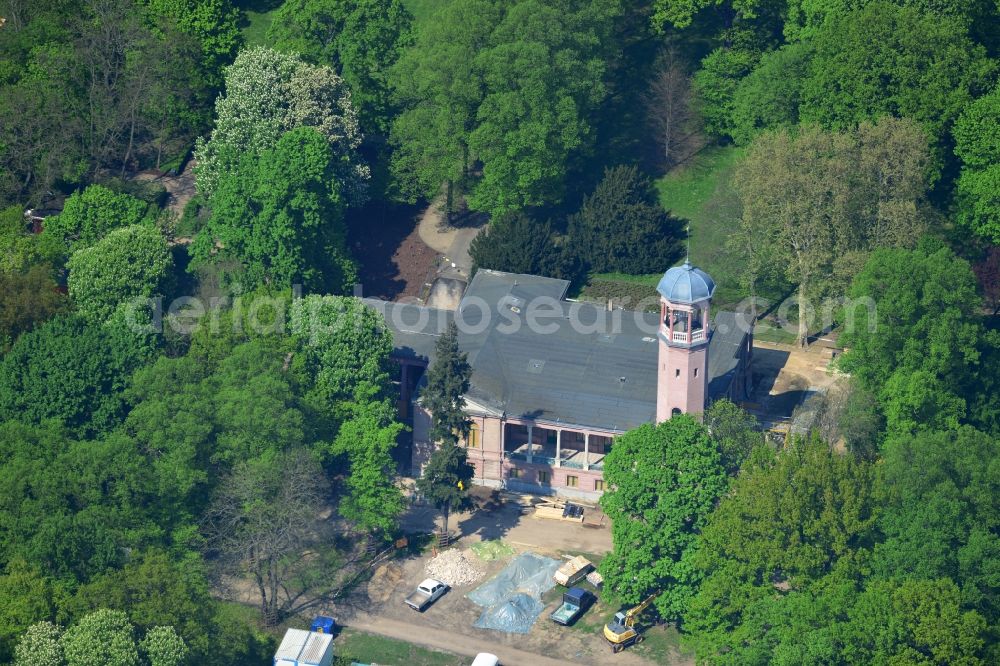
554 381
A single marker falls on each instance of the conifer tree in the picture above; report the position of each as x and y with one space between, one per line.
447 475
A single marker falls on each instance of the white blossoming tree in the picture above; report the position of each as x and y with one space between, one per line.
269 93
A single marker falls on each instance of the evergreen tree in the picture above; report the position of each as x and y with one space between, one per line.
446 477
622 228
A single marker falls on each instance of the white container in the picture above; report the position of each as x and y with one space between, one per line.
304 648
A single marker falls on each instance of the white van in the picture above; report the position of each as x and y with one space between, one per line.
486 659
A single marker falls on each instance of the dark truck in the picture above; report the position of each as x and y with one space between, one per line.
576 600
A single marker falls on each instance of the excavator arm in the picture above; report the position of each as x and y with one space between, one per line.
632 613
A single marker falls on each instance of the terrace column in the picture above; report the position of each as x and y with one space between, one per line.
586 450
531 446
559 448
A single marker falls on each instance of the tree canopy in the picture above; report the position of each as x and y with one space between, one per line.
663 482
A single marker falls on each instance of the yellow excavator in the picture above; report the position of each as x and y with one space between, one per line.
621 631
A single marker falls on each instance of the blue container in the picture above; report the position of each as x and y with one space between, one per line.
323 625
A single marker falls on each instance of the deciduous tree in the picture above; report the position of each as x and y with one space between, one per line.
102 638
977 144
794 524
89 215
361 40
39 646
663 482
268 94
264 522
128 263
279 214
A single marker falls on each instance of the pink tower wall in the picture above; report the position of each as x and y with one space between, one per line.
685 391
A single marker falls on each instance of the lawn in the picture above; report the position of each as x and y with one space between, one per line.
254 25
352 645
701 193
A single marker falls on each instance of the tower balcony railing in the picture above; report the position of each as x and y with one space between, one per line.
696 336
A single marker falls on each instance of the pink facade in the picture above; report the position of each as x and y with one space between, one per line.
527 457
683 359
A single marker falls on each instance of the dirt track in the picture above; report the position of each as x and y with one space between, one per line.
462 643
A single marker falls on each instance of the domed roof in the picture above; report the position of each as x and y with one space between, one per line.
686 284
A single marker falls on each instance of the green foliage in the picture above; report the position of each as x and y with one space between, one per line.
512 86
212 24
373 502
19 249
26 596
447 383
913 622
127 264
817 203
446 477
361 40
89 215
735 432
716 84
779 553
73 508
102 638
977 144
770 95
919 349
664 481
155 589
516 243
163 647
884 59
27 298
67 370
437 82
543 74
941 513
621 227
344 348
268 94
279 214
681 13
40 646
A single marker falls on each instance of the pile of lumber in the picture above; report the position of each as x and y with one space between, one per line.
559 510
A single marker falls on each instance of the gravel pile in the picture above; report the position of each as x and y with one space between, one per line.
455 567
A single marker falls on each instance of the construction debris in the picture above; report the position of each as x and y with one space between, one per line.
455 567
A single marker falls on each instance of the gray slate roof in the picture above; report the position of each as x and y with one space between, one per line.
581 365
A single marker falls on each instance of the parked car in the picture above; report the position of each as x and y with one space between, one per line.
426 593
486 659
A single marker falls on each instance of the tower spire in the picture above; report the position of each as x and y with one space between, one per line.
687 241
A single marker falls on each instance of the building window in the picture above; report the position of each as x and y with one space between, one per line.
696 372
572 482
677 372
675 412
514 473
599 484
472 441
543 477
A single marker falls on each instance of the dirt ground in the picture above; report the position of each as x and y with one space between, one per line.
395 263
180 188
448 624
785 375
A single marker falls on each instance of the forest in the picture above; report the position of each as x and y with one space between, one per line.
172 420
